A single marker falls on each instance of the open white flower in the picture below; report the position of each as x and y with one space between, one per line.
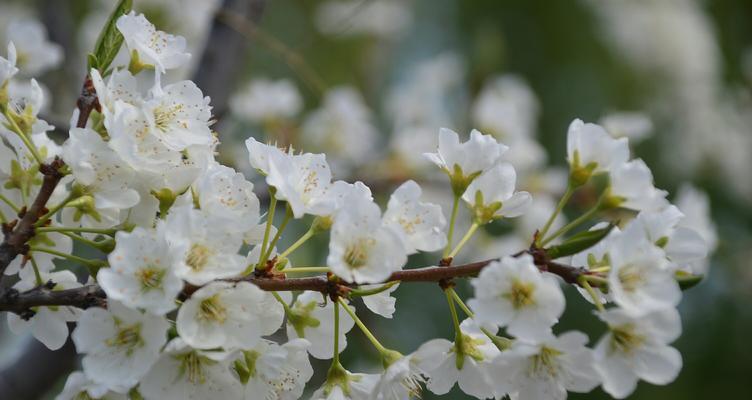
259 154
465 161
49 325
263 100
362 249
632 187
591 150
178 115
347 386
8 67
446 363
639 280
120 86
102 174
211 252
401 380
314 321
381 303
303 181
183 373
228 315
492 195
683 245
545 370
514 293
275 371
35 52
597 257
141 273
637 348
157 48
119 344
695 206
422 224
227 196
79 387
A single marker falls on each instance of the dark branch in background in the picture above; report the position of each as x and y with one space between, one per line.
224 56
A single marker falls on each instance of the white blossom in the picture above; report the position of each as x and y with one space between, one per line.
381 303
183 373
259 154
178 116
632 187
36 54
303 181
362 249
141 272
154 47
228 315
348 386
438 359
79 387
312 318
634 126
637 348
492 195
514 293
264 100
422 224
507 108
545 370
119 344
401 380
589 146
276 371
8 67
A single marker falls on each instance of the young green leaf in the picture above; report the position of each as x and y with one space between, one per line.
579 242
110 39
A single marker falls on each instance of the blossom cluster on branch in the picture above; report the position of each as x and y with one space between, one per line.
194 288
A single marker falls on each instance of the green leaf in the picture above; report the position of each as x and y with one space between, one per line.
687 280
110 39
579 242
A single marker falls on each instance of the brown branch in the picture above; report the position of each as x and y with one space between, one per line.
92 295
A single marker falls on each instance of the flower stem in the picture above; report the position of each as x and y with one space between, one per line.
102 246
269 222
452 220
37 275
76 230
71 257
559 207
375 342
309 234
286 306
501 343
582 280
282 226
371 292
43 219
453 312
575 223
10 204
25 139
335 358
463 241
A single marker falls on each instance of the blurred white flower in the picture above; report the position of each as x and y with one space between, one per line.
347 18
264 100
35 53
634 126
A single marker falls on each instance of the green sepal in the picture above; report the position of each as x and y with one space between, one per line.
687 280
579 242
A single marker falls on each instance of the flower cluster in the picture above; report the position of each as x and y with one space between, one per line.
199 291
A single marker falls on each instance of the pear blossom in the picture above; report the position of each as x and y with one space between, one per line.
141 273
507 108
119 344
36 54
545 370
178 115
264 100
211 252
49 325
639 280
682 245
121 85
381 303
78 387
512 292
303 181
401 380
465 161
632 187
362 249
422 224
348 386
100 171
259 154
275 371
492 195
597 256
227 196
439 360
184 373
162 50
637 348
590 150
8 67
312 318
228 315
695 206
